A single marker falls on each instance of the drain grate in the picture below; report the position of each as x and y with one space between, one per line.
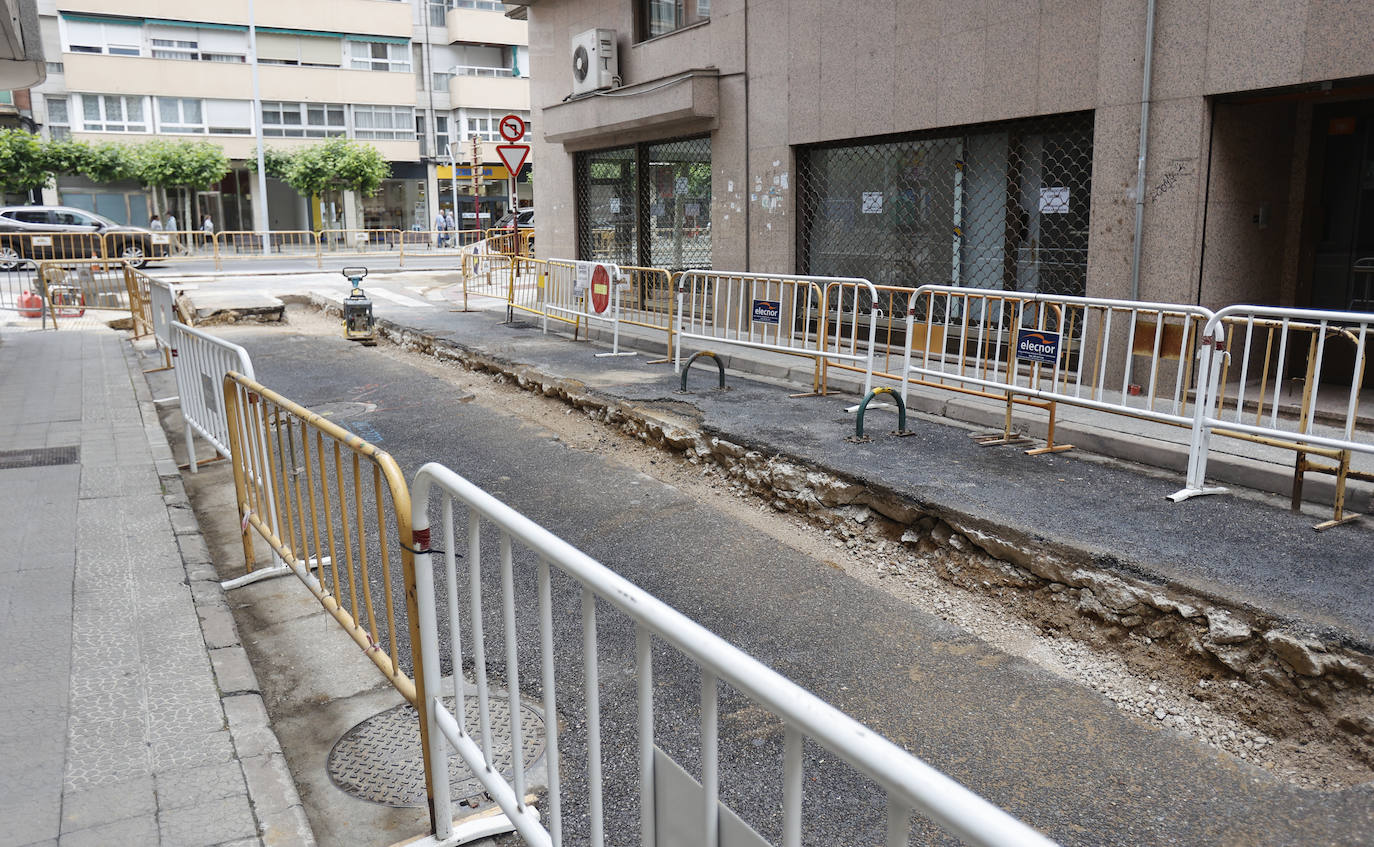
38 457
380 759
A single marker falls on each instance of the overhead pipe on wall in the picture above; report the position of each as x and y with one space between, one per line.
1143 152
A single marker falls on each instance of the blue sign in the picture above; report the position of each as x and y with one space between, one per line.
767 311
1037 345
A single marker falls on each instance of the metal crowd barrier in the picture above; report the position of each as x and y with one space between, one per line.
260 244
361 242
437 241
968 340
909 785
1260 395
336 510
778 313
162 308
200 362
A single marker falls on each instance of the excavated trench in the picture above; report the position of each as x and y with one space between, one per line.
1227 675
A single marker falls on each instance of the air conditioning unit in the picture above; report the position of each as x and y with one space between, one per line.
595 61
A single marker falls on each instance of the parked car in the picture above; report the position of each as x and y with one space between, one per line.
63 232
526 220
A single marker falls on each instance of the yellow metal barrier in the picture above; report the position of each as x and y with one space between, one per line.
437 241
327 502
361 242
73 286
650 300
276 244
54 246
171 246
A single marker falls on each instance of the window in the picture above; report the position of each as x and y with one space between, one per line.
438 12
303 120
167 48
376 56
59 119
178 114
660 17
229 117
648 204
68 217
276 48
198 45
1002 206
483 124
441 136
112 113
114 38
441 80
391 123
483 5
56 68
29 216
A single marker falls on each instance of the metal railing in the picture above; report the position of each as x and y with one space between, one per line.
200 361
336 510
1270 364
775 312
908 784
21 291
163 311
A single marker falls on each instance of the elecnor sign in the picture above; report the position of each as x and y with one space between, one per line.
767 311
1037 345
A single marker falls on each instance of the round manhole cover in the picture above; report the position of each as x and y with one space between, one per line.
380 759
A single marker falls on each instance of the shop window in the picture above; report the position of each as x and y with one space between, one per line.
1003 206
648 205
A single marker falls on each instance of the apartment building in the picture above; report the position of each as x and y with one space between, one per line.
988 143
418 79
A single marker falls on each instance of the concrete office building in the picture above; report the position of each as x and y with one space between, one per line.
989 143
407 77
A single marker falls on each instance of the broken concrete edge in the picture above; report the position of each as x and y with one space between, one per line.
281 816
1315 663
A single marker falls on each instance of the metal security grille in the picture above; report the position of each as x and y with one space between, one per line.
647 205
1002 206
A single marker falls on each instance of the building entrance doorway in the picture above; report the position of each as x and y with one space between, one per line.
1343 232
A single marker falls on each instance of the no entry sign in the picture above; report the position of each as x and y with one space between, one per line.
600 289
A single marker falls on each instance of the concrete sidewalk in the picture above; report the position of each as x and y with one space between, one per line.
128 711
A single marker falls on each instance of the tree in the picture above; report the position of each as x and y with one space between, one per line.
23 161
179 164
274 162
337 163
104 162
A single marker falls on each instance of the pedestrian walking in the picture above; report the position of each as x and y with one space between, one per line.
171 222
155 224
441 226
207 226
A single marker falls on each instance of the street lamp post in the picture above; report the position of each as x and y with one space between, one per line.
453 188
257 129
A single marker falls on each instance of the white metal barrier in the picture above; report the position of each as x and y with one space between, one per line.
200 361
1079 350
778 313
1258 344
909 784
594 295
162 298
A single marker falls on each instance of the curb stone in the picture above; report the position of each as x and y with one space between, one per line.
279 815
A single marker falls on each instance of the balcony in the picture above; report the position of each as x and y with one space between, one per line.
165 77
471 26
227 81
364 16
490 92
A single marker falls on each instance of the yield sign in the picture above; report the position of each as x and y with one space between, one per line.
514 156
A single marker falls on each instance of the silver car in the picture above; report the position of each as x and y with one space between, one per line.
62 232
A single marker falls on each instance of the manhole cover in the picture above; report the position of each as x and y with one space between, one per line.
38 457
380 759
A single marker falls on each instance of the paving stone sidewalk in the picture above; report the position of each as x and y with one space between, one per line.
128 712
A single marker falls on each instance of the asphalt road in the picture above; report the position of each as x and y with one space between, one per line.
1052 753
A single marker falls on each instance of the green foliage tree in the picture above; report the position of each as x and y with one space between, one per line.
274 162
105 162
171 164
23 161
337 163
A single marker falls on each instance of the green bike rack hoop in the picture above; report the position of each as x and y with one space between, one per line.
901 411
